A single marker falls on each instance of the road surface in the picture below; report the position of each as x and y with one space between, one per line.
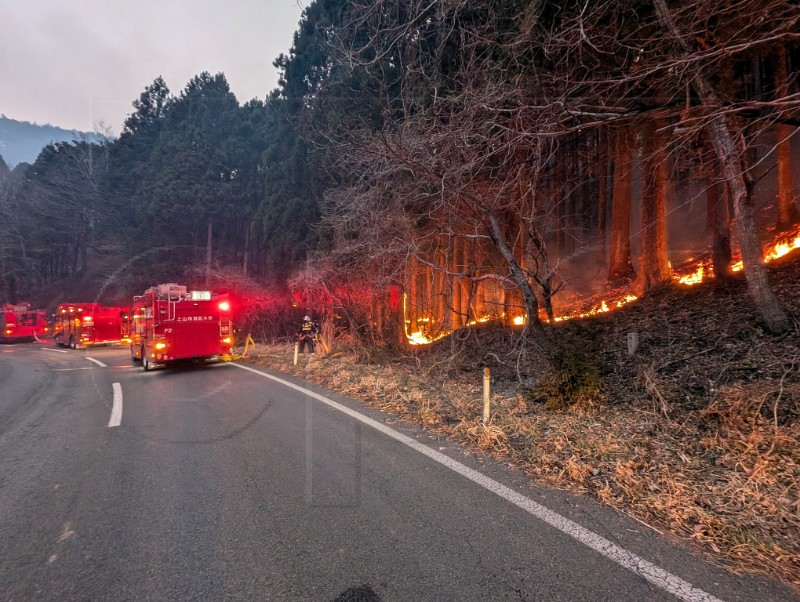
221 483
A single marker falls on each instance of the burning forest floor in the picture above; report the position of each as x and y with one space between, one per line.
697 433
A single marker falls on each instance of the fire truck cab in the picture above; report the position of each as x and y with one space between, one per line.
19 323
171 323
84 324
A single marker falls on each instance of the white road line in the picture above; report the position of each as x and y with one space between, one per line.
56 350
653 573
116 409
98 362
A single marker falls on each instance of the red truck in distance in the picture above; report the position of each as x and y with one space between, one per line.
171 323
20 323
86 324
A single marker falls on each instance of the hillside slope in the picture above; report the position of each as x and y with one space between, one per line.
697 433
21 141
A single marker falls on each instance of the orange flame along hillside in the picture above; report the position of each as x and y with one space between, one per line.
692 273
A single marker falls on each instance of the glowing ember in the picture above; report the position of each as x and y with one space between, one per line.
418 338
693 278
602 308
782 248
519 321
481 320
783 245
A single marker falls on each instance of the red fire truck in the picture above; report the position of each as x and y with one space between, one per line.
84 324
19 323
171 323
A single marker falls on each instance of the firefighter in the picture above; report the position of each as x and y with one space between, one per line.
308 329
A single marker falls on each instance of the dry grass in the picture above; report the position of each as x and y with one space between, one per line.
699 434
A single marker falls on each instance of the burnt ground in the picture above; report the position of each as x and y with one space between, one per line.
696 434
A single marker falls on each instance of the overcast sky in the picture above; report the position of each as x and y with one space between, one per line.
72 63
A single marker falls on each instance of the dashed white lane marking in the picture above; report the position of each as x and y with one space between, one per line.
66 533
653 573
56 350
98 362
116 409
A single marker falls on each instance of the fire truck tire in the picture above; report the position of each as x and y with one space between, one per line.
145 364
72 344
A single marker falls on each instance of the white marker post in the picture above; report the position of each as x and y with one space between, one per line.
487 396
296 351
633 342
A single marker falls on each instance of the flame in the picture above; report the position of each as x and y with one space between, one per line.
481 320
693 278
419 337
601 308
694 272
781 246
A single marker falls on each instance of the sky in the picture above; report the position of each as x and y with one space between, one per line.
78 64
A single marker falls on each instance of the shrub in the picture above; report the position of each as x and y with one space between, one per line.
574 378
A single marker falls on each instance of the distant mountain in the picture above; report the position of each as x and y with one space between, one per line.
21 142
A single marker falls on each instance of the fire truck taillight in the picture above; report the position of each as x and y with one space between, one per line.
87 318
8 331
226 340
160 346
224 306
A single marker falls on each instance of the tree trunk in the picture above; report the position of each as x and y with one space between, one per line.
720 226
741 192
412 293
620 266
457 311
730 146
478 294
787 211
246 255
440 290
603 167
532 324
209 235
655 264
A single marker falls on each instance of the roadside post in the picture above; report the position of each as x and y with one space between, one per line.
633 342
296 351
487 395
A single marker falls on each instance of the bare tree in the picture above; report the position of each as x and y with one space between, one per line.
655 264
620 269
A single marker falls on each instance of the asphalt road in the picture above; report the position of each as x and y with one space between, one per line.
220 483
